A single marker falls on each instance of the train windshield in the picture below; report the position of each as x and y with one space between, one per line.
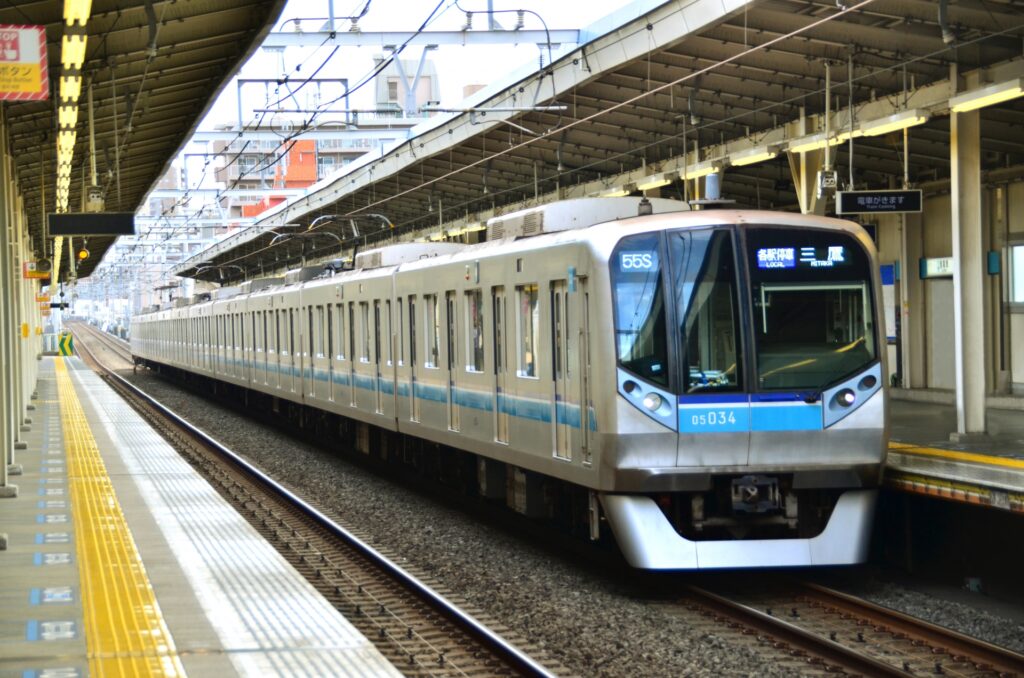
811 291
640 337
704 287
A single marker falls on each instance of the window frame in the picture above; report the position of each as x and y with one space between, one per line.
535 321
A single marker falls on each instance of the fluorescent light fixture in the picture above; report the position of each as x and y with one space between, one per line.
65 140
987 96
846 135
656 181
815 142
701 169
619 192
70 87
67 116
753 156
72 51
892 123
77 11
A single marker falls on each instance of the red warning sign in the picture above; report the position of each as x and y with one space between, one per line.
23 66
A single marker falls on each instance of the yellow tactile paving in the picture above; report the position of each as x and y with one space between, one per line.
125 633
990 460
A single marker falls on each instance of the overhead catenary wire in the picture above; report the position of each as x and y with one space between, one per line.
289 139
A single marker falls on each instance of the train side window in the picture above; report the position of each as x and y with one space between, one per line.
412 329
278 334
291 332
310 348
376 331
352 330
320 332
432 315
475 331
451 317
386 333
340 313
330 333
400 333
528 298
364 317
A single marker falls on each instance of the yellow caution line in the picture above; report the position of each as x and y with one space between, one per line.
987 459
125 634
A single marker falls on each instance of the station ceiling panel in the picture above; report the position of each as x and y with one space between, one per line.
718 76
156 68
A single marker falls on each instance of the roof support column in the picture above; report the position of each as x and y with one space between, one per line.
968 306
912 303
8 421
804 167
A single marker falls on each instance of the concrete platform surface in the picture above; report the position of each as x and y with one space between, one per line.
121 560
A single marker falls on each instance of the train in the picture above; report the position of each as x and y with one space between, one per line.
707 385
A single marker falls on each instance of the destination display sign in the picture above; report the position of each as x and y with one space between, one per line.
638 262
829 256
91 223
878 202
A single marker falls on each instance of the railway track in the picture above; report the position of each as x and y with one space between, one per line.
834 631
817 630
417 628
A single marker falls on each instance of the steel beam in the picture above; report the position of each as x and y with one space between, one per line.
384 39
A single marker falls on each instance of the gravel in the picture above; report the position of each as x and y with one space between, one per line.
942 607
597 619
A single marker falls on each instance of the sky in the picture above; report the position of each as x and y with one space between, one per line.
457 65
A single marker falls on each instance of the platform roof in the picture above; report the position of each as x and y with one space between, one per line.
160 97
643 84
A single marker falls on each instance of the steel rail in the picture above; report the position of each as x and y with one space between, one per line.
793 635
501 648
977 650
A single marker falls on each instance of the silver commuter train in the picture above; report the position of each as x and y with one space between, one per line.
712 379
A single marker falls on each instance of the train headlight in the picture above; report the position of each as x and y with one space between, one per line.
846 397
652 401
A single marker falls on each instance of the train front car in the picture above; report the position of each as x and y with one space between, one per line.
751 428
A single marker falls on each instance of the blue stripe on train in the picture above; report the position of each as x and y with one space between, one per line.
515 406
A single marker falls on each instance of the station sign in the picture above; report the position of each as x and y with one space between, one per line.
90 223
43 298
878 202
938 267
24 70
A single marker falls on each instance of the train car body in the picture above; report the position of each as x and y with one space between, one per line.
711 379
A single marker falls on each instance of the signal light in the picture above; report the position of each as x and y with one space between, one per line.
83 254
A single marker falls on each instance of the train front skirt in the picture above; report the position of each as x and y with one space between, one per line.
649 542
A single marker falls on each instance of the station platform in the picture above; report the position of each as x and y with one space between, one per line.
987 471
121 560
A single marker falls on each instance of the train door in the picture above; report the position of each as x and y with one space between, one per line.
266 349
330 352
413 365
500 406
293 348
378 400
583 353
453 360
352 353
309 344
561 369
